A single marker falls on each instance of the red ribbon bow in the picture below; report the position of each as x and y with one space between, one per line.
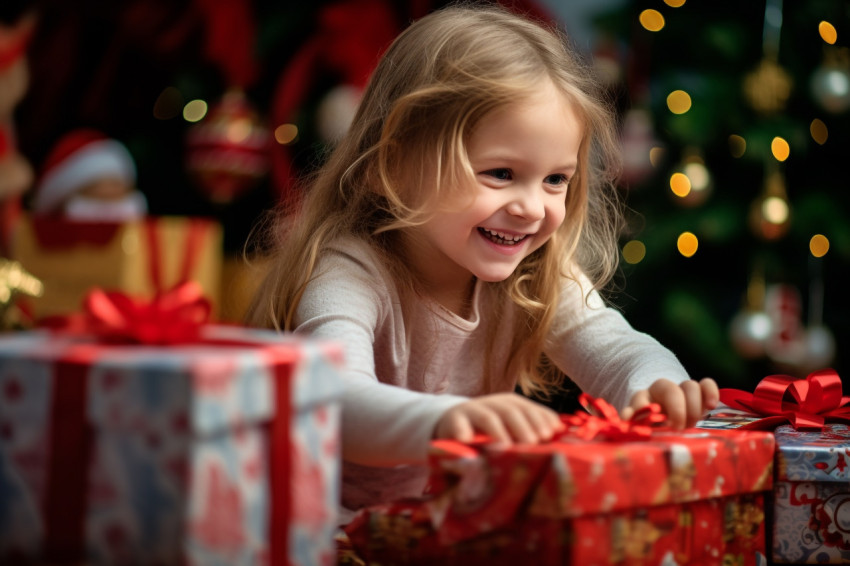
602 420
175 316
807 404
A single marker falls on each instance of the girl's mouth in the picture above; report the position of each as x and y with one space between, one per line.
502 238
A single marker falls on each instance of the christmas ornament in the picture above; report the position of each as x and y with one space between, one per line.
770 213
787 344
227 151
830 83
14 280
768 87
89 176
751 327
637 139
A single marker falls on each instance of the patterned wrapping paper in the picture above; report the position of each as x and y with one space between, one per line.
811 495
693 497
170 461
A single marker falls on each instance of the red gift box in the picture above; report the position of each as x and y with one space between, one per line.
688 497
139 434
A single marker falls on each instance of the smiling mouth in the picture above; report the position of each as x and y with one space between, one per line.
502 238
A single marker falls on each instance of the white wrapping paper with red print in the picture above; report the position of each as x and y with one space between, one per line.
220 452
690 497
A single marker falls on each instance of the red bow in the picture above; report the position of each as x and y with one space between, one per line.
602 420
804 403
175 316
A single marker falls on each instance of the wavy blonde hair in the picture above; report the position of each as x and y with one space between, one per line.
405 152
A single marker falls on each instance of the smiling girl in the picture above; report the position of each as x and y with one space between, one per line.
455 243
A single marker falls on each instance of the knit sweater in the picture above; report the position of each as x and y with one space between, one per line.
402 373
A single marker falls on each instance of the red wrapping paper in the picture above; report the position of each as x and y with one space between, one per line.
694 497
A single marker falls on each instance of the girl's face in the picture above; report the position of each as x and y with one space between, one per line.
523 156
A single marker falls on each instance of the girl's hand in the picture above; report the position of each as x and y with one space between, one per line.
684 404
507 418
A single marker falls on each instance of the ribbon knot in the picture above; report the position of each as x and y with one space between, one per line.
175 316
807 404
601 420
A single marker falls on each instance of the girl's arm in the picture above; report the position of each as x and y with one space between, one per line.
606 357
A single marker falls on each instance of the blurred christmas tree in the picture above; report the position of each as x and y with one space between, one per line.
736 124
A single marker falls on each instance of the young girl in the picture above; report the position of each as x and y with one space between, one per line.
454 243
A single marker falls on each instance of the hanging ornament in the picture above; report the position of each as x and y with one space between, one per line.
830 83
752 327
638 140
691 183
787 344
770 213
228 150
768 86
819 340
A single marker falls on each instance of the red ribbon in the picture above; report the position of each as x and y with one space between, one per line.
602 421
175 316
807 404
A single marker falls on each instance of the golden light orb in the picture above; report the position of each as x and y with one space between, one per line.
651 20
634 251
819 245
679 102
780 148
687 244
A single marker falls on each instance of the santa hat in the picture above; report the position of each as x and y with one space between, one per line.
79 158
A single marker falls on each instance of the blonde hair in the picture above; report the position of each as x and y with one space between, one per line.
405 152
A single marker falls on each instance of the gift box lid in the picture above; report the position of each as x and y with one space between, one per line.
822 456
475 487
224 380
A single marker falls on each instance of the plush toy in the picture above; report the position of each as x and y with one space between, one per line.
90 177
16 174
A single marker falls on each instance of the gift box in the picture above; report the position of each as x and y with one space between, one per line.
139 257
666 498
219 450
810 521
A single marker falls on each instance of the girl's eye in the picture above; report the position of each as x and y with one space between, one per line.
557 179
499 174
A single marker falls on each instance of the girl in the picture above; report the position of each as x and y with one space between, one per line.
455 242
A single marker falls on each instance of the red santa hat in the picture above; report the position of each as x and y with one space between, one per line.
79 158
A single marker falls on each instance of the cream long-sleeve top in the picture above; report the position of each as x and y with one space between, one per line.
402 373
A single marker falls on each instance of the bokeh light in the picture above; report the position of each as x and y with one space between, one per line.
819 245
687 244
656 156
819 131
651 20
775 210
780 148
737 146
634 251
827 32
675 3
195 110
679 102
286 133
680 184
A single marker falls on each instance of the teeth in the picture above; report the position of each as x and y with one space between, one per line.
502 237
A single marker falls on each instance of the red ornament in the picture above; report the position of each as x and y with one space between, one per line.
228 151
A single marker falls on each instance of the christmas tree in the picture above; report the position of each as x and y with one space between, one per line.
735 126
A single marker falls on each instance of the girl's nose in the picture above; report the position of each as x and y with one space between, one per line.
527 203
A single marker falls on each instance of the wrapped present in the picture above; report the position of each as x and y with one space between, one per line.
607 492
138 257
149 443
810 524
